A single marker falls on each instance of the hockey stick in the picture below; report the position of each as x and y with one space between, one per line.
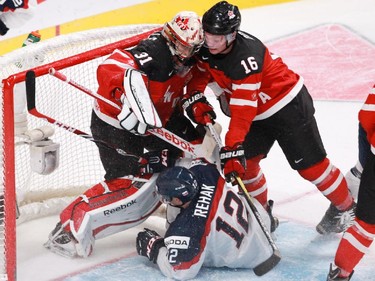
275 258
161 133
31 107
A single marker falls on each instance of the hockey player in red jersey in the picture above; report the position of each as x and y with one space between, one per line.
359 237
266 102
147 82
215 227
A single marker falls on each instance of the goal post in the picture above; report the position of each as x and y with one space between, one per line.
36 194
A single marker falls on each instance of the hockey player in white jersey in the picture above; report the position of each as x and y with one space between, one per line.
215 227
14 14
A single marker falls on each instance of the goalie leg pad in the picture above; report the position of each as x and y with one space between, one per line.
108 208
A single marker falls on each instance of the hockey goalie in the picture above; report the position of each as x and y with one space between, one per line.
147 83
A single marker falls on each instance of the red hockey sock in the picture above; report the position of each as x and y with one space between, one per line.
255 181
354 244
331 182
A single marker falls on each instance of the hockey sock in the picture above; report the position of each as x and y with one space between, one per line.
255 181
354 244
330 181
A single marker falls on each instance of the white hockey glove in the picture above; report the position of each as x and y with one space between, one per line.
138 112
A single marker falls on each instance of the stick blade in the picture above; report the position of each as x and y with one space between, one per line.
268 264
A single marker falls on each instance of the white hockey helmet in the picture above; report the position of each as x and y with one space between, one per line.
184 34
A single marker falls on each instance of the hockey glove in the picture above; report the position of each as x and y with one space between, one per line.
157 161
197 107
148 244
128 119
233 161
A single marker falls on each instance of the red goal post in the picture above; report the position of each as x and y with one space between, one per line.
76 55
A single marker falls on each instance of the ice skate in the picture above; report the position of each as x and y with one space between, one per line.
336 221
61 242
333 275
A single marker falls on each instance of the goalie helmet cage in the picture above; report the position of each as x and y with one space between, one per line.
77 55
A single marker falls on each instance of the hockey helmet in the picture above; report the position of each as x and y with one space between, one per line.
184 34
177 182
222 19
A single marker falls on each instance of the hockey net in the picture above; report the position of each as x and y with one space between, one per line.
77 56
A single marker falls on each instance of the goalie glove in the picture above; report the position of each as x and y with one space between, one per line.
148 244
233 161
197 107
128 119
138 112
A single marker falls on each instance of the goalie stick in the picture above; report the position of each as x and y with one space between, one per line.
275 258
31 107
161 133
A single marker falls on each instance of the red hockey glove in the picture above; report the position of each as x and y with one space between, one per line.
197 106
148 244
233 161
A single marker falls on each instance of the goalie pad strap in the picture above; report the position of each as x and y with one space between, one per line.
139 99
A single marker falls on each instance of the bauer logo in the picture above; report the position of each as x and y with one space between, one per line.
177 242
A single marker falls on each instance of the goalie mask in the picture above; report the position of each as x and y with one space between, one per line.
184 34
177 182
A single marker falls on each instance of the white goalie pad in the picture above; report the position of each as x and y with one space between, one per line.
139 99
127 212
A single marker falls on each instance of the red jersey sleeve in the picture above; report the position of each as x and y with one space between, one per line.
366 117
243 107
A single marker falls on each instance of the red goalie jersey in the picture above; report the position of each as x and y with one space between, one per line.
165 83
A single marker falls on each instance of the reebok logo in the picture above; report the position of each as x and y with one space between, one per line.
119 208
184 145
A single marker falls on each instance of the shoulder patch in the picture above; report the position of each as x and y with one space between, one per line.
177 242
